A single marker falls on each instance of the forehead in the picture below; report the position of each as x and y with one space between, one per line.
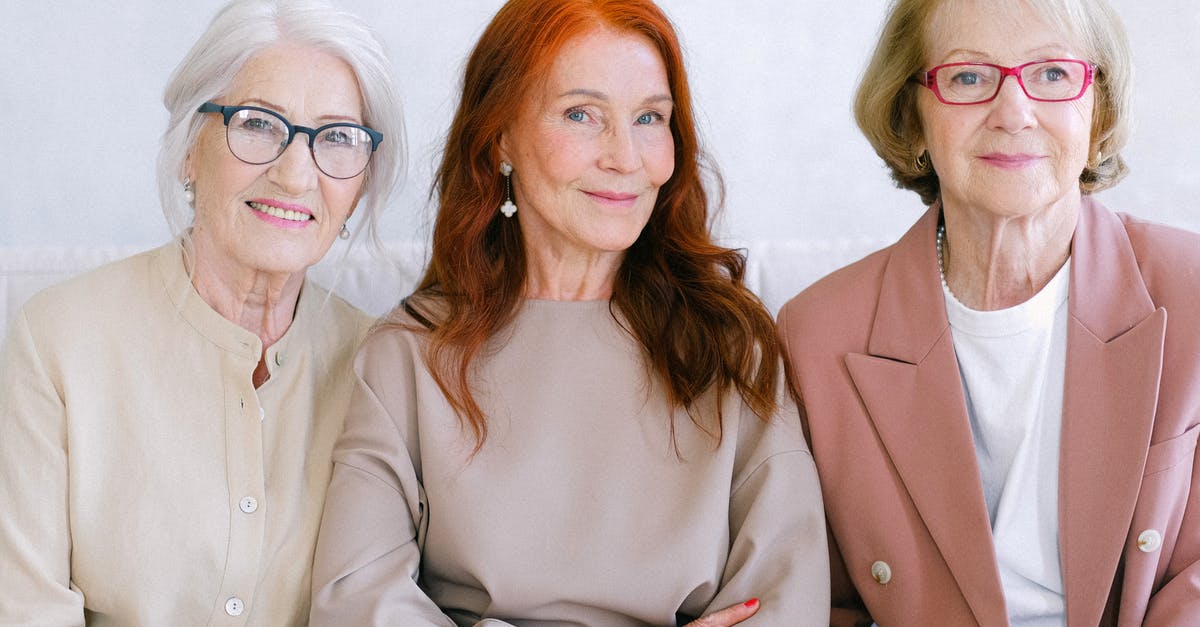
1009 31
301 81
605 58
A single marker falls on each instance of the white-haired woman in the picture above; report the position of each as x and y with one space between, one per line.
166 421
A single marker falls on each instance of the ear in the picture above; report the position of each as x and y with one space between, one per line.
503 147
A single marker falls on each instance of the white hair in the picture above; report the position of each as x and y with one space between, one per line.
244 28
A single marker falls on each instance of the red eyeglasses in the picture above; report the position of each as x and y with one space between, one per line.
1048 80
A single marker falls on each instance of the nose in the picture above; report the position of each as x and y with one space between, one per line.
1012 110
294 171
621 152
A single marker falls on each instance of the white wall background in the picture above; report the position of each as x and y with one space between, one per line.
81 83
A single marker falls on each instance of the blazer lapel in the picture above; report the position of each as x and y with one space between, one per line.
1114 360
910 385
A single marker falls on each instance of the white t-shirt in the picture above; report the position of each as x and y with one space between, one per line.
1012 364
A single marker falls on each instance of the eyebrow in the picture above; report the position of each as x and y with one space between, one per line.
267 104
1039 51
599 95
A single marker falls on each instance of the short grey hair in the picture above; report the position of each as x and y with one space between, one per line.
244 28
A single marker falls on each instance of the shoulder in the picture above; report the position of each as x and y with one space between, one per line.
335 315
118 290
425 309
394 347
843 297
1168 259
1159 247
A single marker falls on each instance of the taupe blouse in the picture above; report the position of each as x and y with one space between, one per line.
579 509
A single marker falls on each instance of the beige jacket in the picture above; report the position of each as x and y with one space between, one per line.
143 479
578 510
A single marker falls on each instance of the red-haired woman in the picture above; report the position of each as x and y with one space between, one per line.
579 417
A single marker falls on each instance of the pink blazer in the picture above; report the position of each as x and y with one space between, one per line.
873 362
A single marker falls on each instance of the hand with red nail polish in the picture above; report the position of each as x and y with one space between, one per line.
731 615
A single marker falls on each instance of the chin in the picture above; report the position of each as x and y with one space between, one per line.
617 244
288 259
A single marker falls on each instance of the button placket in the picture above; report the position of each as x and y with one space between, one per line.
246 486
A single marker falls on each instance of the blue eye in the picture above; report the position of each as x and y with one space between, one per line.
648 118
259 123
966 78
1054 74
576 115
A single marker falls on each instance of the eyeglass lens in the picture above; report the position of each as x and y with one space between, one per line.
257 137
1050 80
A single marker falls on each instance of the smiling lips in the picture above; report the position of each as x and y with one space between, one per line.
1009 161
285 216
613 199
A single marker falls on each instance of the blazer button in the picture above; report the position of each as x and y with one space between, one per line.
1149 541
881 572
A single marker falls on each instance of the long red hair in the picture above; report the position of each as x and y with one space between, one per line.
679 294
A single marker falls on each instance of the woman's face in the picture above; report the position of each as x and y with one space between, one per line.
1012 156
282 216
592 146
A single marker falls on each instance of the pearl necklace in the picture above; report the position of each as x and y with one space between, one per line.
941 235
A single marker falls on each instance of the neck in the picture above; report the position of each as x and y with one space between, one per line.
554 276
260 302
992 261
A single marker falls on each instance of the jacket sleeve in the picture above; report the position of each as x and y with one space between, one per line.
846 606
35 538
778 551
1177 602
368 553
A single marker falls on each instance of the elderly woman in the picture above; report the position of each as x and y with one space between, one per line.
579 417
1003 405
166 422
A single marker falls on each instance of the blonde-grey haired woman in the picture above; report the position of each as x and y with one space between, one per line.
166 421
1003 405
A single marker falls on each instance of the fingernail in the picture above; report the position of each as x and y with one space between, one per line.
751 603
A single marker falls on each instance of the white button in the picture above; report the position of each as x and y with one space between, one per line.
881 572
262 414
248 504
234 606
1149 541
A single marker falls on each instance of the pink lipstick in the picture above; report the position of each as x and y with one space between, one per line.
281 214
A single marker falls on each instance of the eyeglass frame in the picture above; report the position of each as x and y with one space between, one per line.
227 112
928 78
